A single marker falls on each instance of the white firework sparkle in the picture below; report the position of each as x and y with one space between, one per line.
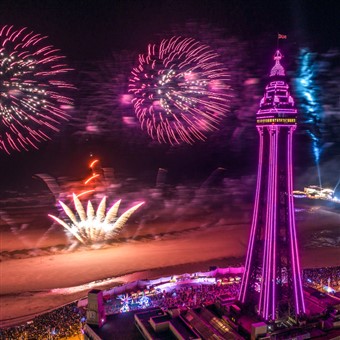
93 227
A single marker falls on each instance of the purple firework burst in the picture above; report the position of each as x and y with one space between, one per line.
180 90
32 103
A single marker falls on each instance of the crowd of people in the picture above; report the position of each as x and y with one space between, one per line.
191 295
194 295
68 321
182 294
320 277
61 323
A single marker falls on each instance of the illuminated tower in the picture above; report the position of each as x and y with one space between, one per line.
272 276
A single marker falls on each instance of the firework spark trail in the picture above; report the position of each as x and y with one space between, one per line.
32 100
180 90
312 109
336 185
94 226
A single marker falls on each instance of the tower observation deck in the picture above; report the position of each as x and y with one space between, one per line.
272 277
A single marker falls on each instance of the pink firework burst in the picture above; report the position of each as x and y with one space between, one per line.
32 100
180 90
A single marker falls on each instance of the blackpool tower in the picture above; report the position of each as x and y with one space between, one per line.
272 277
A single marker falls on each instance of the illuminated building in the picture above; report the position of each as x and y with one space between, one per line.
95 309
272 277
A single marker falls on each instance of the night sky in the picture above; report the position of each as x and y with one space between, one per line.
102 39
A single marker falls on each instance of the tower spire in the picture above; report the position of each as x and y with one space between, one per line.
277 69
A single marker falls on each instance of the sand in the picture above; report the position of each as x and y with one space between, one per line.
27 277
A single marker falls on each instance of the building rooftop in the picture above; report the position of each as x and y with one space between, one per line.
118 327
95 291
175 325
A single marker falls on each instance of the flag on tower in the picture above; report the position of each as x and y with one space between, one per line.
281 36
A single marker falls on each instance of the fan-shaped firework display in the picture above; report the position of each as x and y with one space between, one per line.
95 226
180 90
32 102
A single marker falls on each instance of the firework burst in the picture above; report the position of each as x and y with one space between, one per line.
32 103
180 90
94 226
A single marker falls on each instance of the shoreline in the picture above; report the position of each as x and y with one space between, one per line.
26 283
46 296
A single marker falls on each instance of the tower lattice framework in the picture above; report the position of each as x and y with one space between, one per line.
272 277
